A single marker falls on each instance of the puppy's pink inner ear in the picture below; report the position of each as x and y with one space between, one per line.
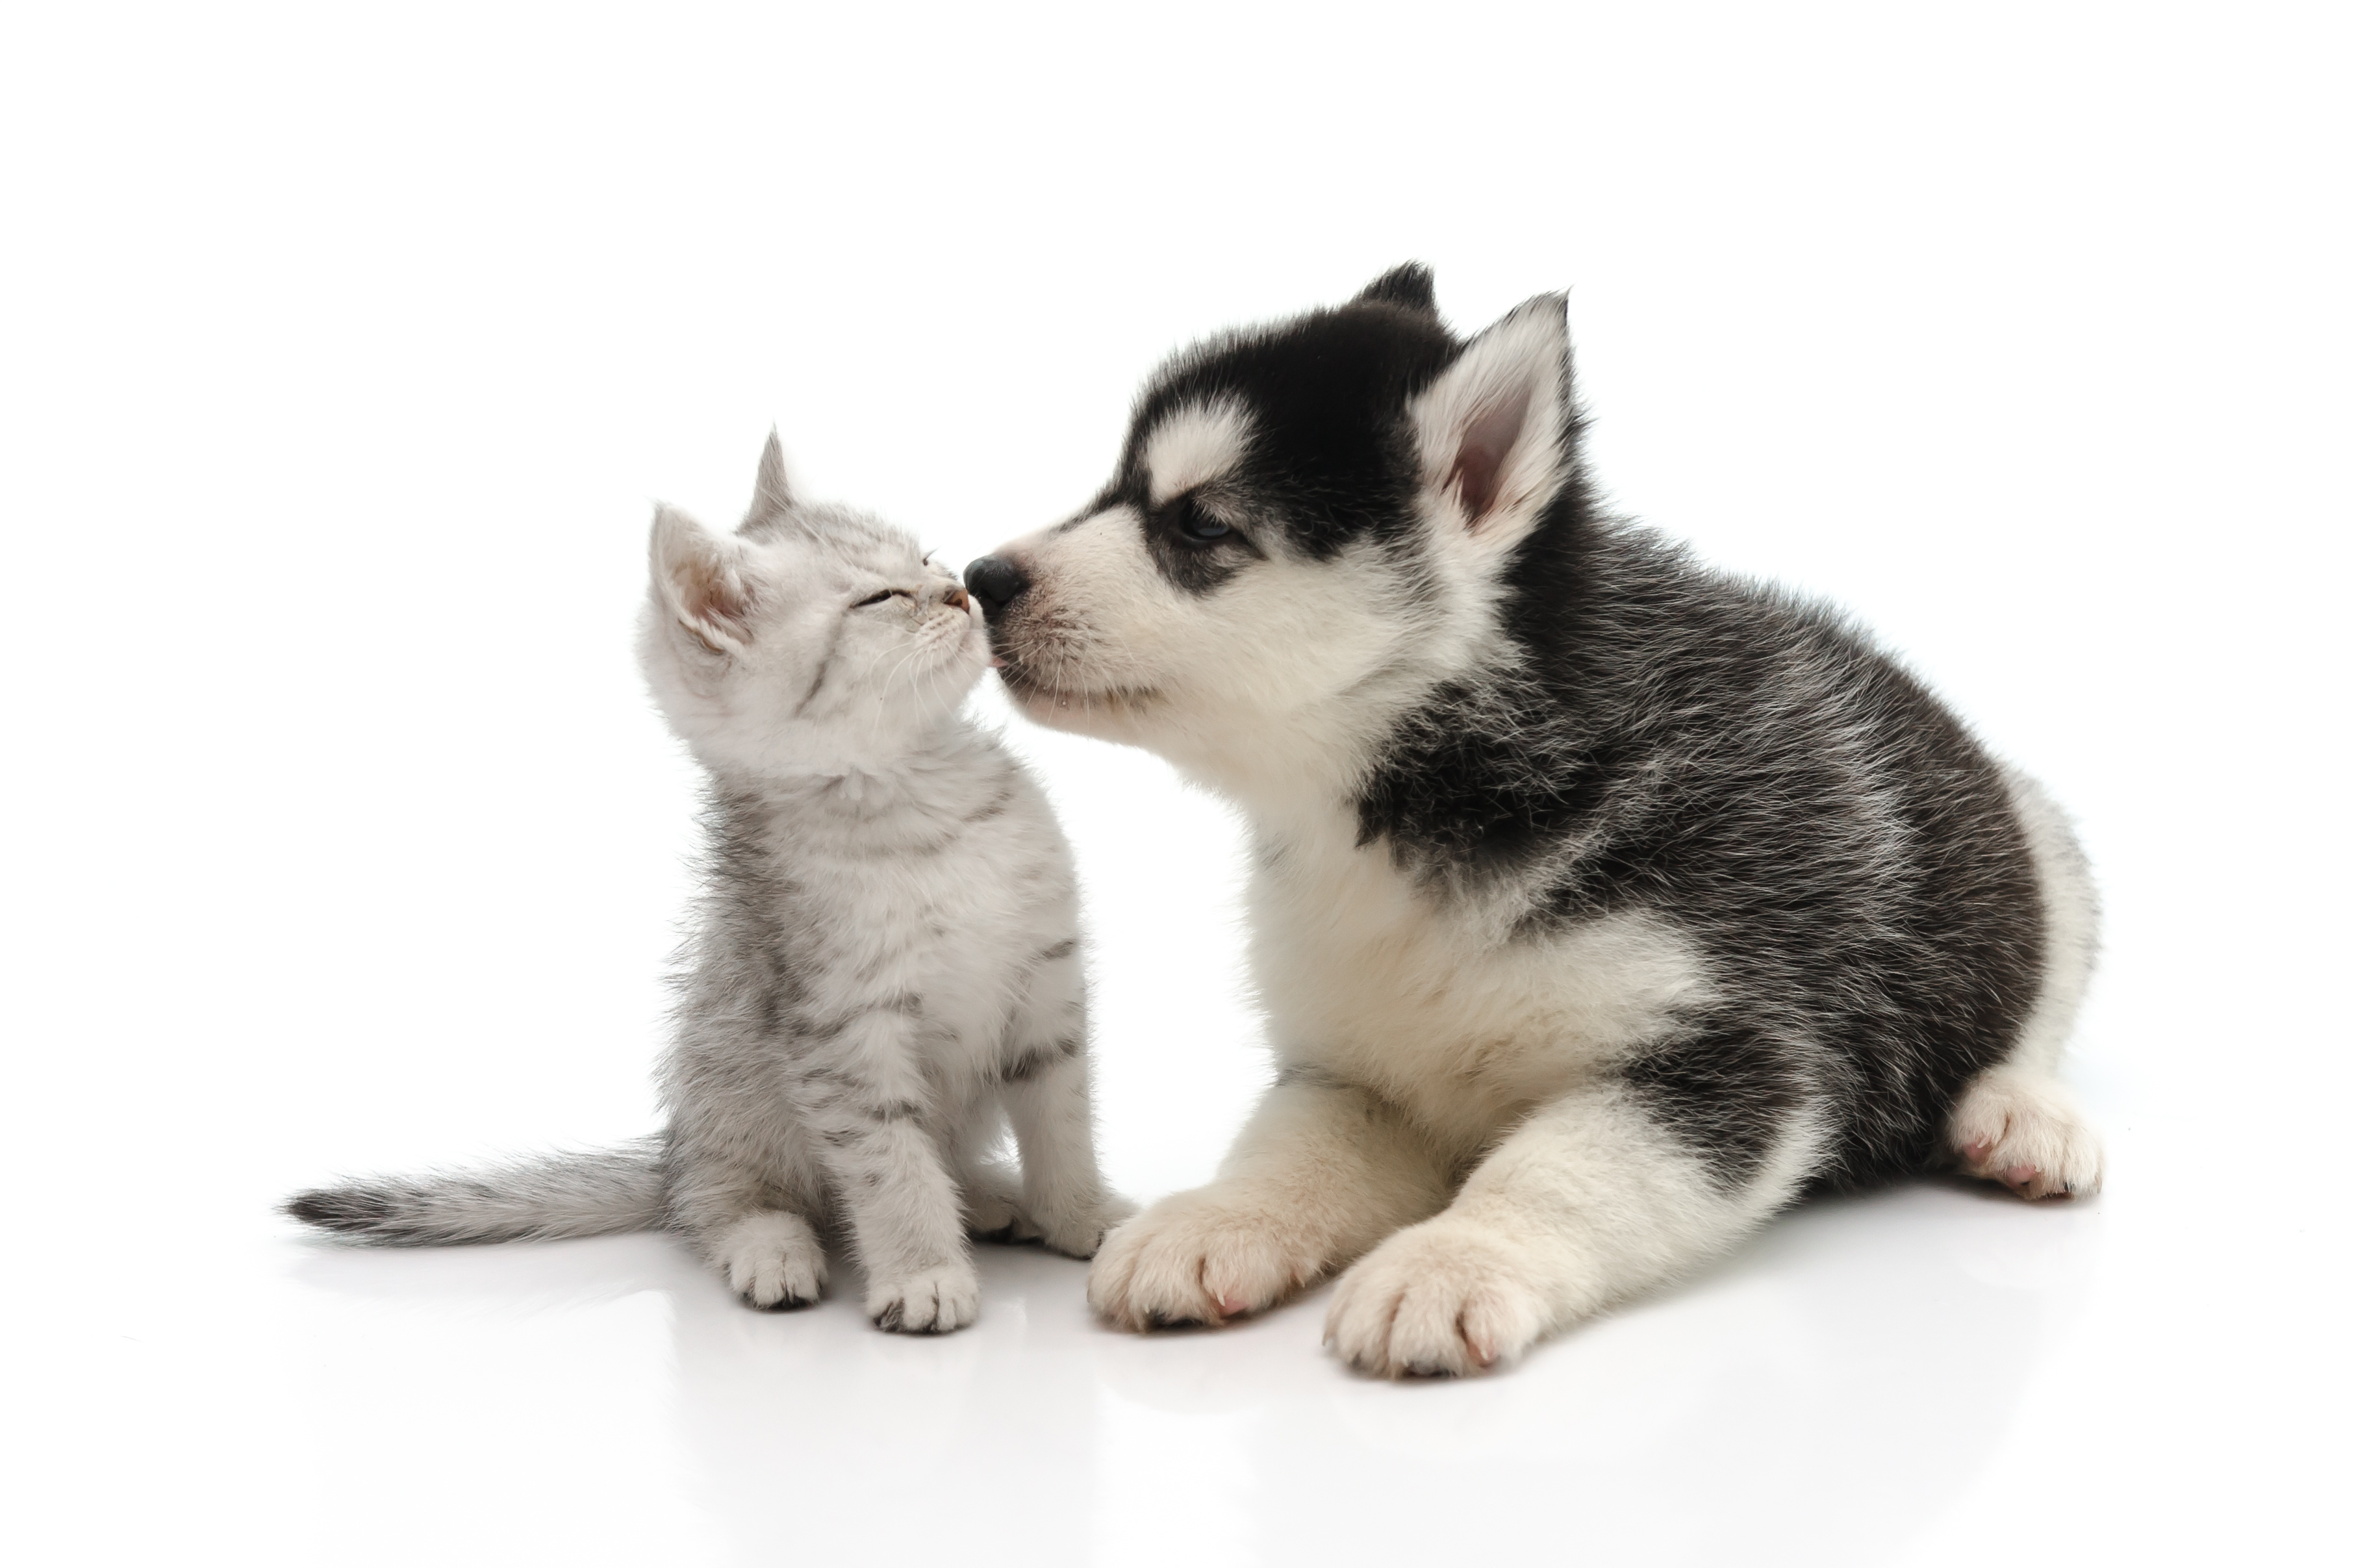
1478 471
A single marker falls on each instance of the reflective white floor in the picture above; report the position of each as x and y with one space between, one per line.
1910 1377
340 353
1838 1390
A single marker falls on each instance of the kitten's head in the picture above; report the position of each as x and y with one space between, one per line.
814 639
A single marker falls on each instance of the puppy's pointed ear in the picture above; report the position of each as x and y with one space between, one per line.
701 581
772 501
1493 433
1409 286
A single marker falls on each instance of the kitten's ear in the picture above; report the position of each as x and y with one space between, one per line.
701 580
1410 286
772 501
1493 433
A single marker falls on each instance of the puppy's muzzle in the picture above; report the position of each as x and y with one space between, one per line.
994 581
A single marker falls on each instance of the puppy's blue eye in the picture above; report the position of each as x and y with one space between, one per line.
1194 523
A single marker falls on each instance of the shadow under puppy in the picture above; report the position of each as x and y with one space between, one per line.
885 966
1601 903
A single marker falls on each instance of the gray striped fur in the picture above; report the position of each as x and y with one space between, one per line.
884 979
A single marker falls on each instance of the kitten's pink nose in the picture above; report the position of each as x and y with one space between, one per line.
956 597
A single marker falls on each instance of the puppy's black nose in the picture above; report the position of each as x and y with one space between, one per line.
994 581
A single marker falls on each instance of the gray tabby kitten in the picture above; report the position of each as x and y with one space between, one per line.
885 970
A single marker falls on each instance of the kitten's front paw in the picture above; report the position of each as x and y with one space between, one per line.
775 1261
1199 1257
935 1300
1442 1299
1081 1234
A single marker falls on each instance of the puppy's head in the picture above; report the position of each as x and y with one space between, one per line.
1309 524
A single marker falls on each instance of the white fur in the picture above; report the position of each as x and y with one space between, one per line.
1367 978
1198 444
1582 1205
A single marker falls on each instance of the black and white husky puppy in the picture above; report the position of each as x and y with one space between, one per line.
885 974
1602 904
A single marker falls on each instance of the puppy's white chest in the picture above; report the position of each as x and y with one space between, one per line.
1439 1008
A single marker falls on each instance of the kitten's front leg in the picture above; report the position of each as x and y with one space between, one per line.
1323 1171
868 1110
1048 1092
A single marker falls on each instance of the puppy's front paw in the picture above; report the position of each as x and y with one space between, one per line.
1442 1299
775 1261
1199 1257
1082 1233
935 1300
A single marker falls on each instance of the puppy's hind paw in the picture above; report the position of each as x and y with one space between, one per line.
2024 1132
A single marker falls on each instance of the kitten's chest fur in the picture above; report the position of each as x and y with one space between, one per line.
934 890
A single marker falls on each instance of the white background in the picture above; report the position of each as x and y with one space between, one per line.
344 354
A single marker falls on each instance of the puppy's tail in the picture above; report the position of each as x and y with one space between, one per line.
597 1193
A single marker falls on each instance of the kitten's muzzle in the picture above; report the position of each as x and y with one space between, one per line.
994 581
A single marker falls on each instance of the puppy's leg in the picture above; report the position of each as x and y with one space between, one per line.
1594 1197
1323 1172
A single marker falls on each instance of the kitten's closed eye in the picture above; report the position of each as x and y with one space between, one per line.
882 597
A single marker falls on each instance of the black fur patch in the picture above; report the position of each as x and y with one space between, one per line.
1727 1094
1410 286
1328 458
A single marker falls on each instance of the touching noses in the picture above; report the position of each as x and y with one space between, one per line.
994 581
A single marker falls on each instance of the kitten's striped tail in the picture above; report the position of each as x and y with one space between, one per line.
597 1193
